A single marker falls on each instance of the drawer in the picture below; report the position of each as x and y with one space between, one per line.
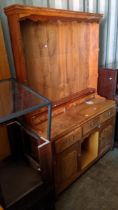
90 125
107 115
68 140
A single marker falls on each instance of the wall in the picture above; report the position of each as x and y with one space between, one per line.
108 27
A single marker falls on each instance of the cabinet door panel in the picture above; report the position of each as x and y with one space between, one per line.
67 167
106 137
107 82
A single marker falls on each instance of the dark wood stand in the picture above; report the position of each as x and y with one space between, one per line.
108 86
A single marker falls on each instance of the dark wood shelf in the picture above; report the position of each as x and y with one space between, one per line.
18 179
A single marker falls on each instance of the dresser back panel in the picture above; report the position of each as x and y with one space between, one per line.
61 57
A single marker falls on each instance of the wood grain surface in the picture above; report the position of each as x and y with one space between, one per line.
4 66
61 58
55 51
4 74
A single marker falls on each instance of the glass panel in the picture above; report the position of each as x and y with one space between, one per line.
17 99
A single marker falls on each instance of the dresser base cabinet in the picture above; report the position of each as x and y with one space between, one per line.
67 166
76 148
74 160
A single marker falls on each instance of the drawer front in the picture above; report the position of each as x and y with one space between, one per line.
107 115
90 125
68 140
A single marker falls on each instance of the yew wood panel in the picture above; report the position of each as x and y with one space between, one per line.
17 13
5 93
67 167
38 13
107 115
90 125
93 54
59 55
4 74
106 136
6 98
4 66
76 116
68 140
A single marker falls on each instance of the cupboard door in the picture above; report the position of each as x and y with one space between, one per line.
107 82
67 167
106 137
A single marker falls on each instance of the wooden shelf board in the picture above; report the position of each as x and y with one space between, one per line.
17 180
87 158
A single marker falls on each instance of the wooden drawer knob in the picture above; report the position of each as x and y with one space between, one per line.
99 125
109 113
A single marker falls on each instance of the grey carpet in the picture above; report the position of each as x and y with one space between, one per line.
97 189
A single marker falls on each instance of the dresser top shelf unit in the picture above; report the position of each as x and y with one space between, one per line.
39 13
54 53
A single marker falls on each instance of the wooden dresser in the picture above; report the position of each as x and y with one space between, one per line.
56 53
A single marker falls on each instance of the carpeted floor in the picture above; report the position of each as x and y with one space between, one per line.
97 189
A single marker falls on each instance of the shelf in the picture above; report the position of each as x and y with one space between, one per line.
86 159
89 149
18 179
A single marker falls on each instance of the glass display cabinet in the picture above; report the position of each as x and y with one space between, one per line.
22 185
